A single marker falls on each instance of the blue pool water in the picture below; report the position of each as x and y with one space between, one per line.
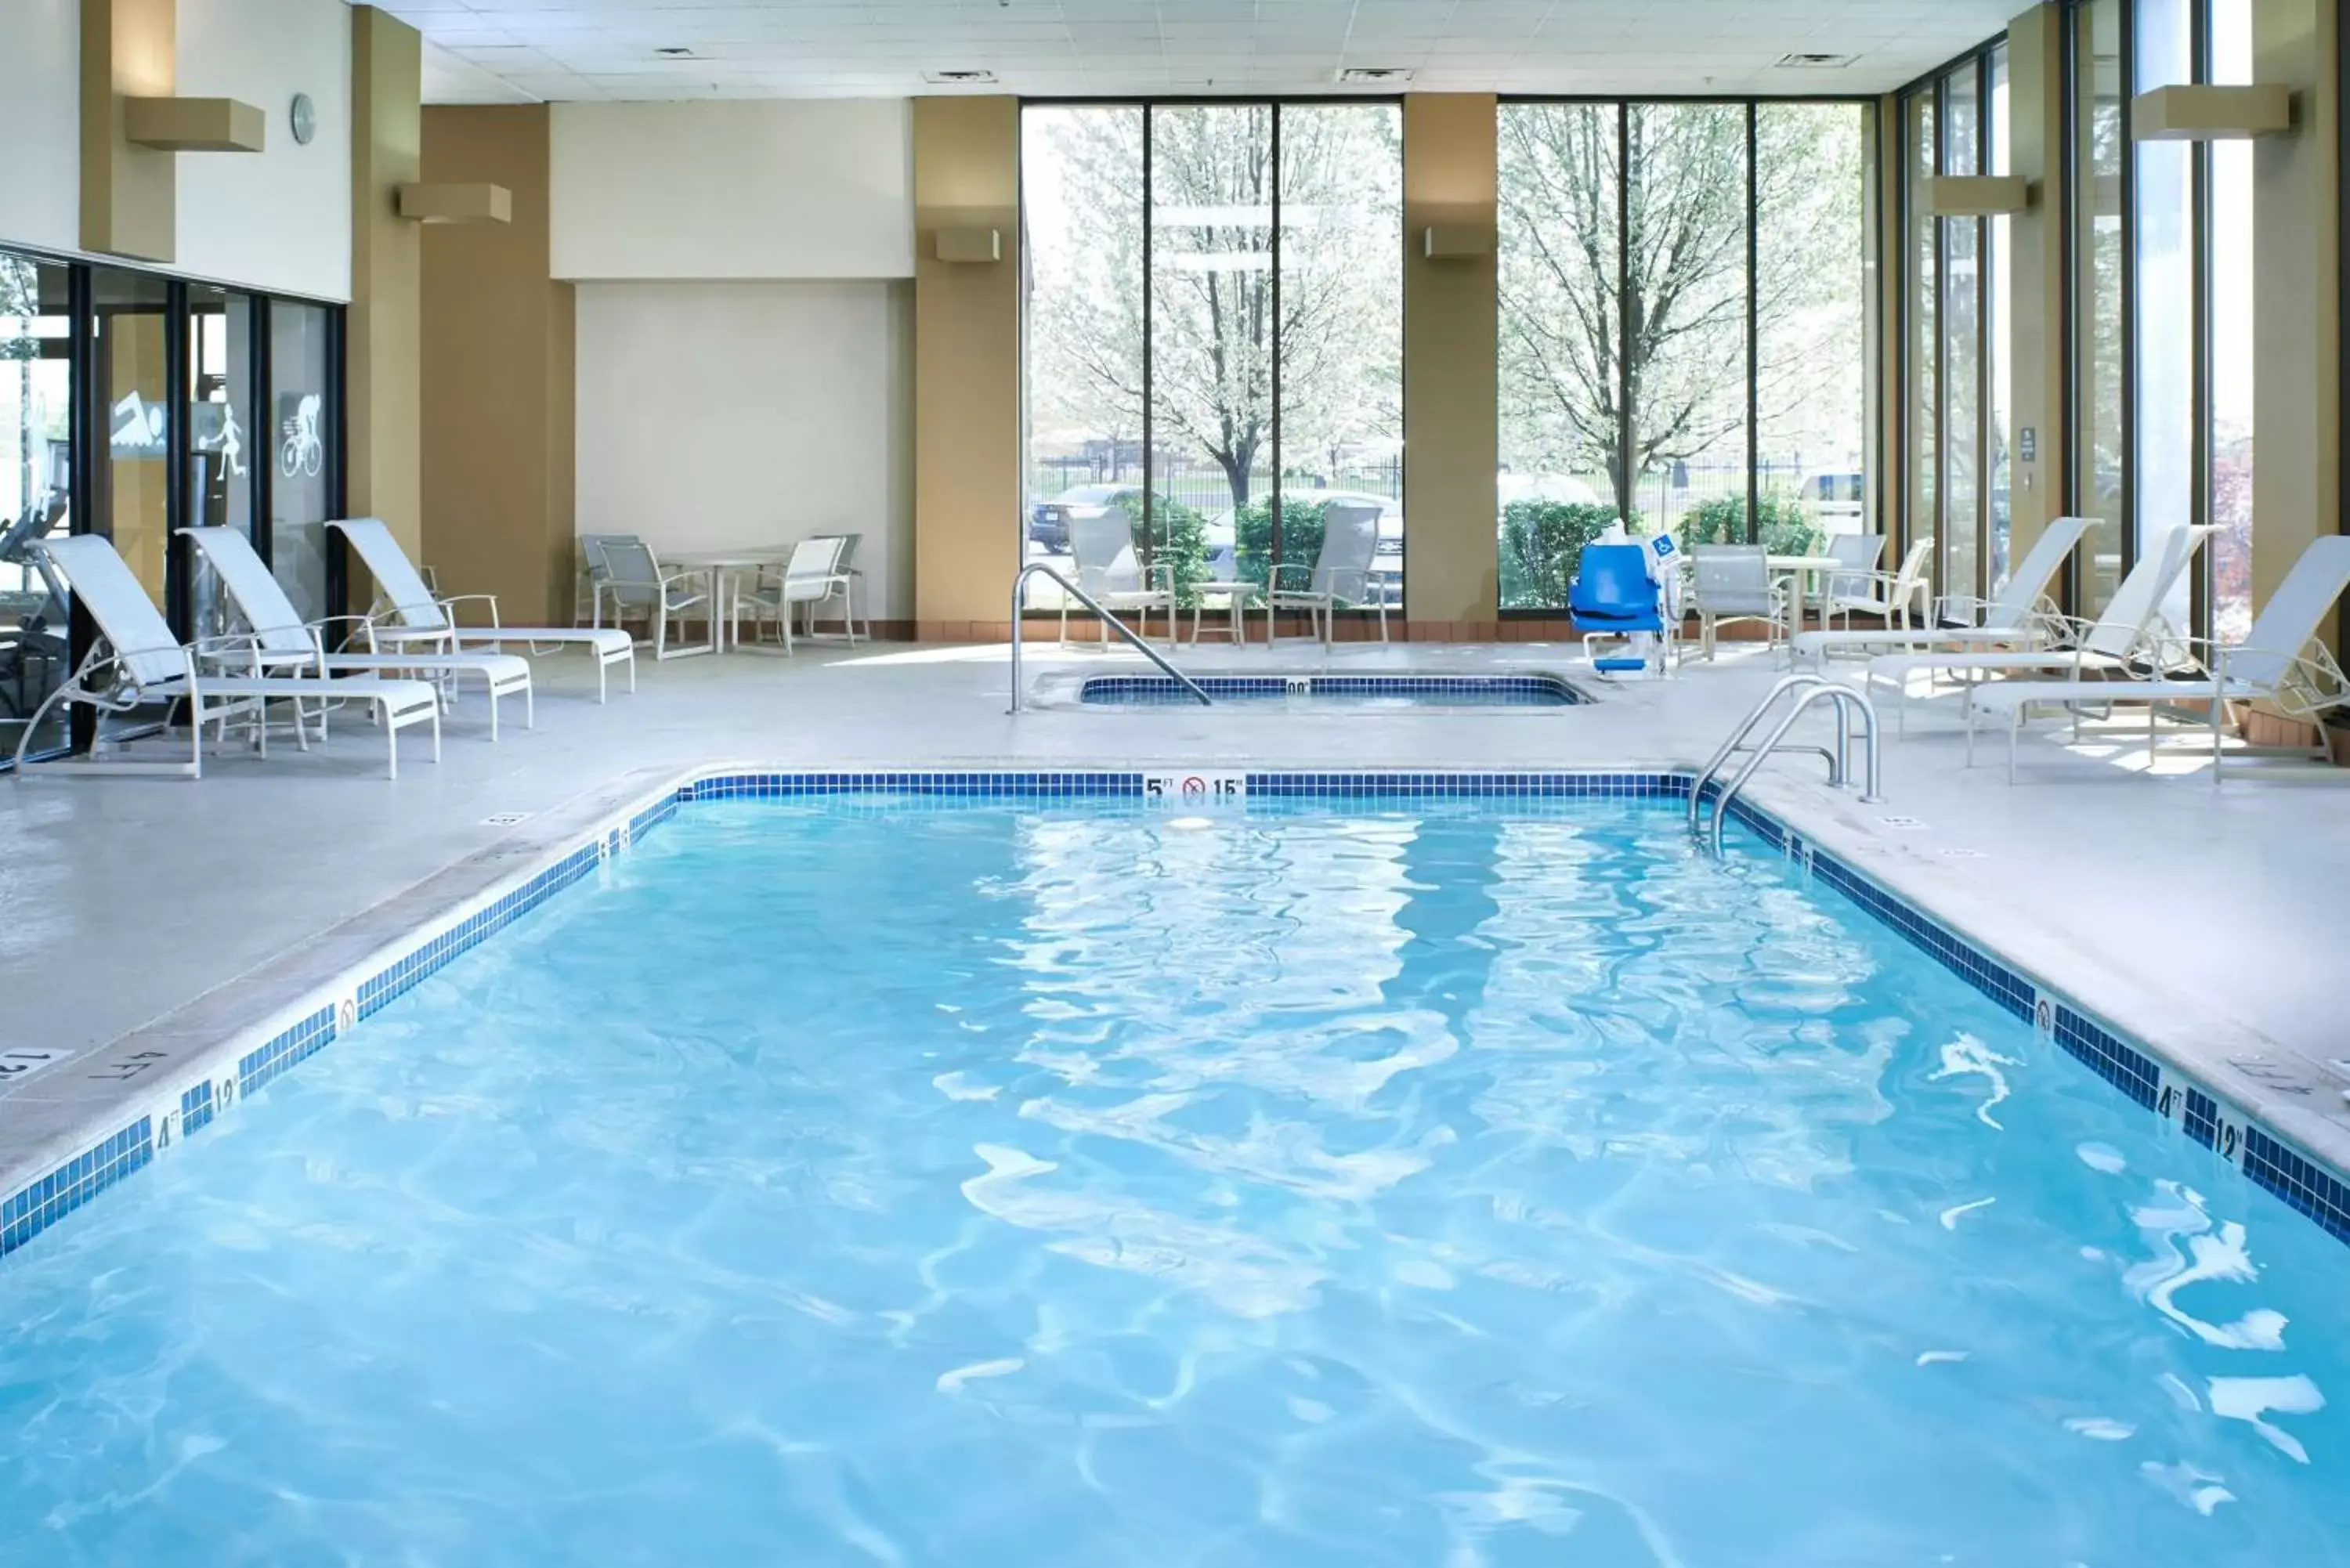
1387 692
850 1182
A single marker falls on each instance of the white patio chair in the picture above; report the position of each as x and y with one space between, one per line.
2019 616
1894 597
817 573
281 641
2132 635
137 661
412 615
1732 583
2279 662
845 571
1108 569
594 573
1857 556
638 588
1343 576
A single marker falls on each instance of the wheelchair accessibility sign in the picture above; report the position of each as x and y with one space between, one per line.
1200 787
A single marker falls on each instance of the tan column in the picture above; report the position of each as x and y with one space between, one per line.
1450 379
382 395
2036 337
499 389
966 368
129 193
1890 445
2297 316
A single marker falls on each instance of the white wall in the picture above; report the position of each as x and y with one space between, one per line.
804 189
40 123
720 414
280 220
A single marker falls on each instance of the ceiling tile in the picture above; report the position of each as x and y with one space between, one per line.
529 49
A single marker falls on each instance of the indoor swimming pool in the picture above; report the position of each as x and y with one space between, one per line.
865 1179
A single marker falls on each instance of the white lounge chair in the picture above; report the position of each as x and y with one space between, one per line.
281 641
138 661
2280 660
2133 633
1343 573
2014 618
412 615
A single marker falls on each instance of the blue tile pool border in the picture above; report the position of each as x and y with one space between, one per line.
2266 1156
1486 692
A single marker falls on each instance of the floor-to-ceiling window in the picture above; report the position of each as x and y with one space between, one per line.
36 428
2163 313
2097 151
1560 169
2161 241
1955 422
1214 331
2228 430
1683 326
1813 247
1921 342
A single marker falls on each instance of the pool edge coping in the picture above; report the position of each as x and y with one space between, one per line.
140 1095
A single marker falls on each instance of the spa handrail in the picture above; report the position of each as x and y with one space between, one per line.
1020 584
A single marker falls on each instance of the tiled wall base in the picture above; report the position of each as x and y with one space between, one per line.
2265 1156
2261 729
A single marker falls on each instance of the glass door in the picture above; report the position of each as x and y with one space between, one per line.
297 446
219 472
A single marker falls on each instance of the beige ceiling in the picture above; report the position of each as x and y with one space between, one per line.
502 51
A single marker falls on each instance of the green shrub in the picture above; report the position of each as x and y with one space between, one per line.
1301 539
1541 541
1787 528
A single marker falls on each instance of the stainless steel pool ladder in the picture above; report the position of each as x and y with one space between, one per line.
1811 689
1019 586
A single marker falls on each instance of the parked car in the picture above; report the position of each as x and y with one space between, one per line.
1837 498
1049 521
1561 488
1223 564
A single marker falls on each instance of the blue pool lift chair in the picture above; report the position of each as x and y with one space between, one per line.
1614 597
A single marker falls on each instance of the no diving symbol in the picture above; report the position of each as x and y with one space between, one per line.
1195 788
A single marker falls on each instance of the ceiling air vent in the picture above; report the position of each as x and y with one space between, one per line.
1814 62
958 79
1376 76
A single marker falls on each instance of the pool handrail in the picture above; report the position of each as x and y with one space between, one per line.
1020 584
1811 688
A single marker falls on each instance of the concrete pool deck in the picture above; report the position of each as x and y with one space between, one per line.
2197 920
